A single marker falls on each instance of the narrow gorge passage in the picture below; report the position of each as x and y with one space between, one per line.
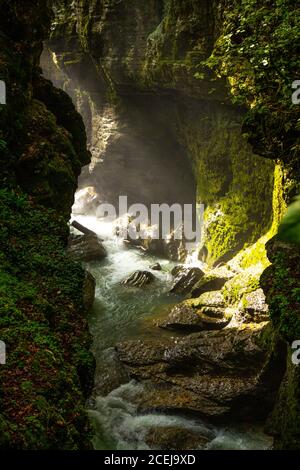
145 159
149 226
181 362
121 313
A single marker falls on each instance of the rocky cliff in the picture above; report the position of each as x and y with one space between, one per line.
136 71
198 93
49 370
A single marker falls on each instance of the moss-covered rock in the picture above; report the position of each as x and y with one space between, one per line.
49 369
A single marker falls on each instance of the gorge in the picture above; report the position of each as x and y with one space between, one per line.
164 101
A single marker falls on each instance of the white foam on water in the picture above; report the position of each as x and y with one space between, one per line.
118 424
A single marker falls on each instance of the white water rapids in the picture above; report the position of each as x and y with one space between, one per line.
117 316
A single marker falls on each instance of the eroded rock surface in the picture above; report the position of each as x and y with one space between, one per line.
216 374
86 248
188 319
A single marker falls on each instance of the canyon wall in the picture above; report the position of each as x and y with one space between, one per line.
155 113
218 74
49 370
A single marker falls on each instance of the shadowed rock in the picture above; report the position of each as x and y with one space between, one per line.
185 280
89 287
139 279
213 373
156 267
86 248
175 438
188 319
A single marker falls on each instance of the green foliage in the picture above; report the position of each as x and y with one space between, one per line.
42 323
257 52
289 229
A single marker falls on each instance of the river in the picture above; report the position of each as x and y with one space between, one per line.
121 313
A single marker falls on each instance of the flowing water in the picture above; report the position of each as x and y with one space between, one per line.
120 313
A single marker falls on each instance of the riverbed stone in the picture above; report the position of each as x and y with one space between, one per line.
185 280
86 248
156 267
139 279
187 319
214 374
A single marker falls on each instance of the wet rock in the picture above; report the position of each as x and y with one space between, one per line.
210 282
188 319
110 373
89 287
211 299
175 438
156 267
216 374
171 249
86 248
185 280
254 307
176 270
139 279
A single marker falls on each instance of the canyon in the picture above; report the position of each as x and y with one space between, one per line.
172 102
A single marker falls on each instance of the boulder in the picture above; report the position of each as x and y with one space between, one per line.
254 307
209 283
210 299
86 248
185 280
185 318
139 279
89 287
214 374
177 269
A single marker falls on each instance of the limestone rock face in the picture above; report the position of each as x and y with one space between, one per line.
280 283
42 149
171 112
216 374
188 319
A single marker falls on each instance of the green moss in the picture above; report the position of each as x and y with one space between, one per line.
284 421
239 286
49 369
41 310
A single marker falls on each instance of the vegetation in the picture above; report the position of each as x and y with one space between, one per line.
49 369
